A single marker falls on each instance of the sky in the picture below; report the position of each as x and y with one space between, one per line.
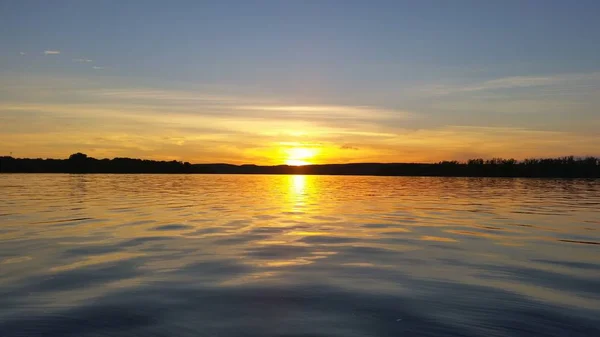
274 82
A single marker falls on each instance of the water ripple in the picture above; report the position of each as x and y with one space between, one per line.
215 255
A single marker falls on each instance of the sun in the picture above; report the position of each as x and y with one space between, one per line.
296 162
298 156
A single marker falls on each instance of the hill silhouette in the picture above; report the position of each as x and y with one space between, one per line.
563 167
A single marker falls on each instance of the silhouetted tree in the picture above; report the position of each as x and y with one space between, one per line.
567 167
78 156
78 163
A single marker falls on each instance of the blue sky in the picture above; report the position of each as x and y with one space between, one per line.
249 81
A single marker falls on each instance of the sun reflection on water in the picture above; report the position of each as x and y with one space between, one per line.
286 242
298 184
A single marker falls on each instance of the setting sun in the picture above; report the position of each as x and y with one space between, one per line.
299 156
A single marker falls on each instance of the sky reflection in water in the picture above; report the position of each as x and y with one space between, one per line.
176 255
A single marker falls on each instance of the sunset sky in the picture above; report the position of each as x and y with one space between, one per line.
272 82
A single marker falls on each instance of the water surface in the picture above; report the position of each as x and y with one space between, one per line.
219 255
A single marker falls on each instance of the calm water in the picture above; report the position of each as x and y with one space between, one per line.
179 255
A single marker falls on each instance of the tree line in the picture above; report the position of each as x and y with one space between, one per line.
563 167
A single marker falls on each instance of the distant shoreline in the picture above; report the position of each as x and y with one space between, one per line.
563 167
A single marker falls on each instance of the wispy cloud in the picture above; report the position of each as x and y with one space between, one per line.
82 60
348 147
51 52
333 111
209 103
97 68
514 82
22 53
237 112
211 124
135 131
162 95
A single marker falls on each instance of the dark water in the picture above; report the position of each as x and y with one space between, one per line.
168 255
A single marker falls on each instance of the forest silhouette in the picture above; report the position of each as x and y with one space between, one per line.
563 167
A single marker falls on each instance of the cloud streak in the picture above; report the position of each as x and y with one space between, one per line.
515 82
171 96
330 111
243 140
51 52
55 116
189 104
82 60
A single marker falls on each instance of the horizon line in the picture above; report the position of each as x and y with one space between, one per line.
453 161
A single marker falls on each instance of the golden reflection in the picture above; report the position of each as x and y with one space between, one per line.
307 233
359 264
96 259
16 260
473 233
287 263
298 184
249 278
298 192
436 238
